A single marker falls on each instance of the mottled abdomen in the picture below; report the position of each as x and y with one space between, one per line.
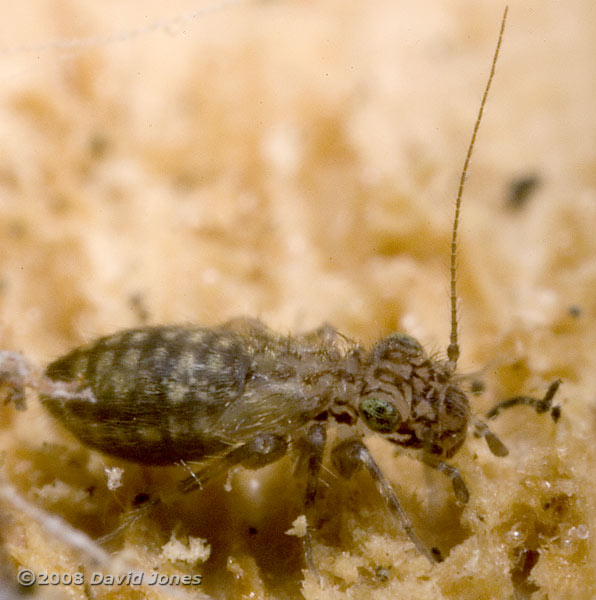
151 395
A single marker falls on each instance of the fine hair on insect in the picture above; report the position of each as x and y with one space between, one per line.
241 395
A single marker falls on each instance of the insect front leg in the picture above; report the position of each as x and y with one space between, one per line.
262 450
495 445
540 405
349 456
310 449
459 487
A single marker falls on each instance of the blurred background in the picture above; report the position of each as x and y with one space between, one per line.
295 162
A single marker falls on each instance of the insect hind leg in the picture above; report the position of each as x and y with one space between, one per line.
257 453
349 456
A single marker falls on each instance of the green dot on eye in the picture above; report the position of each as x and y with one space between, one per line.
379 414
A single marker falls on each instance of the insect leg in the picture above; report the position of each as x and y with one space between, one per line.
495 445
260 451
129 519
459 487
310 448
348 457
540 405
257 453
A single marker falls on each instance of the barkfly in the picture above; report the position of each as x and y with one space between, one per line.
243 395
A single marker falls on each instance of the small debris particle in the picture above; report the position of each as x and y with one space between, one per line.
195 551
114 475
299 527
520 190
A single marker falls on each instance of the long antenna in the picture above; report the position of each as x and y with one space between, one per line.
453 348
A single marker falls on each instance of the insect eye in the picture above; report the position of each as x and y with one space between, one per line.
398 346
407 341
379 414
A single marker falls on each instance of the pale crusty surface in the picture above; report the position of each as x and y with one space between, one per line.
298 162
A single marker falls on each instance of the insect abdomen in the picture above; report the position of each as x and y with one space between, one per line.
150 395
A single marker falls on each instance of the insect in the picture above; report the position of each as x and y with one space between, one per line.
242 395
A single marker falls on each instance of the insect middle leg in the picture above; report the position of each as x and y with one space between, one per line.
349 456
310 450
263 450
